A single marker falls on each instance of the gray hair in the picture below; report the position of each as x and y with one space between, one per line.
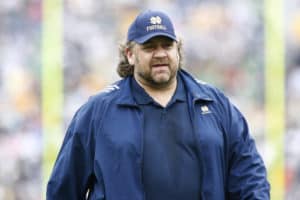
125 69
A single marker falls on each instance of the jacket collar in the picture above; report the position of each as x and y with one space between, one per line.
125 97
194 87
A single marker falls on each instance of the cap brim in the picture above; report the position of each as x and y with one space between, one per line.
145 38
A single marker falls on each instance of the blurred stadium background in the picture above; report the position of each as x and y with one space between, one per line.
54 54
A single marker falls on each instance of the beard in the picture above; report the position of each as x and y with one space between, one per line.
157 79
157 75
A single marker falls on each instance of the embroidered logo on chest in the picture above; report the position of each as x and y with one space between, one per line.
205 110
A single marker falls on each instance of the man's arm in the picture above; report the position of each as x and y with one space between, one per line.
73 170
247 173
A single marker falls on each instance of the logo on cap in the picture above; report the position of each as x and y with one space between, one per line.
155 20
156 24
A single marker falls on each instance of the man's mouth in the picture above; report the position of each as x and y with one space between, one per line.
160 65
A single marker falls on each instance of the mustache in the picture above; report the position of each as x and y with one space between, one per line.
160 62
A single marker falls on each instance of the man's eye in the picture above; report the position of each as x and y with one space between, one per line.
167 45
148 47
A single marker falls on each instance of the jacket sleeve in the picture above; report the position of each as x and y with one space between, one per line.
72 174
247 173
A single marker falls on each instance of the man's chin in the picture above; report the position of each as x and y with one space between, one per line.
161 82
161 79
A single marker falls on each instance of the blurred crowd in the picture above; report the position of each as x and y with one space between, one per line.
223 45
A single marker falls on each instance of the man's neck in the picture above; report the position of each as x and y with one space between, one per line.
161 95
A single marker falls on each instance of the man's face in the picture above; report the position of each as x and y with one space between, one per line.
155 62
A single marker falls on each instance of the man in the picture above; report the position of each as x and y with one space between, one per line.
157 134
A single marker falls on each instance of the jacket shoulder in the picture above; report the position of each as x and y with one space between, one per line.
107 93
211 91
97 103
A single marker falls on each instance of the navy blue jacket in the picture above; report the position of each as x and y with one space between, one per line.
101 156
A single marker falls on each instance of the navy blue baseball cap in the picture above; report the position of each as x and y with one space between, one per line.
149 24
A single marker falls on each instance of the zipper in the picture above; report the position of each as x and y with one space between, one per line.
193 118
142 152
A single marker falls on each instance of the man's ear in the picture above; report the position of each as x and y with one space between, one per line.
130 56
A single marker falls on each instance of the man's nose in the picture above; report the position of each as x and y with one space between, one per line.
159 52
